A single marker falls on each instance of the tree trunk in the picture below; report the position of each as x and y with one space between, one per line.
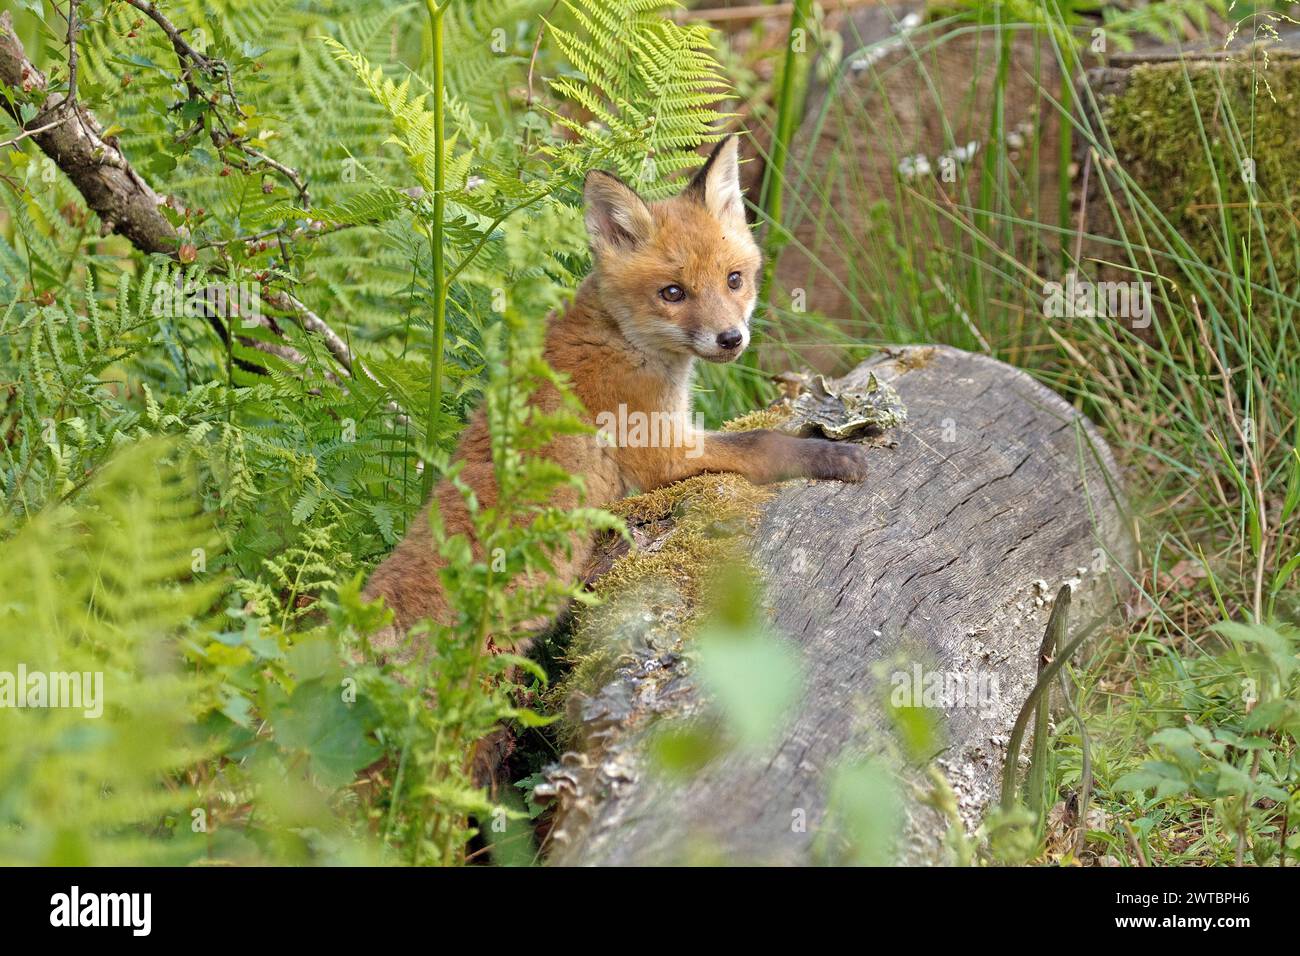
995 493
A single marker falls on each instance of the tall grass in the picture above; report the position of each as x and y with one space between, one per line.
1201 406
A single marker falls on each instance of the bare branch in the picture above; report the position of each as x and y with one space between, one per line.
182 47
333 342
313 230
313 323
72 51
32 132
124 202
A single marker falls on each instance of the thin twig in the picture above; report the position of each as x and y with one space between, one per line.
33 132
111 196
72 53
334 343
1247 800
537 45
191 60
1247 448
1059 618
1282 835
178 41
1085 770
314 230
1133 842
761 11
1083 208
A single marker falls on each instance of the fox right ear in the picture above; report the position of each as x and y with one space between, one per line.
616 216
717 183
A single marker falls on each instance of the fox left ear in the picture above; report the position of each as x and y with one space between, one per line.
617 218
717 184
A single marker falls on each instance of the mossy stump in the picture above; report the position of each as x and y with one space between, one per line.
1208 140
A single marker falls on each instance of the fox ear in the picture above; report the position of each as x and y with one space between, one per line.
717 184
616 216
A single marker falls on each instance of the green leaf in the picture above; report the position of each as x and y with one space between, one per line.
866 811
683 750
1278 650
1271 714
529 718
316 721
755 681
1137 781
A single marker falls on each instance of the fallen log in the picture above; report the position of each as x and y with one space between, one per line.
993 494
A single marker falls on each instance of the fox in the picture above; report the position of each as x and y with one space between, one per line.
672 282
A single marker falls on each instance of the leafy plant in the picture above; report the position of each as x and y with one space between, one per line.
1243 759
647 84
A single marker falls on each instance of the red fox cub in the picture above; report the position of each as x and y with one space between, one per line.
672 281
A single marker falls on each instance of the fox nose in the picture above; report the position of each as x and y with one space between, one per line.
730 339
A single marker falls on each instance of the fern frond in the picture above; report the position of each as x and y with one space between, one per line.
105 590
648 85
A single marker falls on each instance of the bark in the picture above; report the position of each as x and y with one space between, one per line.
124 202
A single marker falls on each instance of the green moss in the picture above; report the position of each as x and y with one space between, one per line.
1178 130
762 418
652 595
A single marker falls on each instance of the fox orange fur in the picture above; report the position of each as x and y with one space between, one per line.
673 281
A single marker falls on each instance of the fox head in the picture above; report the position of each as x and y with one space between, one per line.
679 276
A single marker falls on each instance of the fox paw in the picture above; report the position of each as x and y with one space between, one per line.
834 460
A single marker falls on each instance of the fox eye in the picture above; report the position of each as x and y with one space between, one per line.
734 280
672 293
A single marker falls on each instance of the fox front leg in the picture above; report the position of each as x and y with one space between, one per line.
765 456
